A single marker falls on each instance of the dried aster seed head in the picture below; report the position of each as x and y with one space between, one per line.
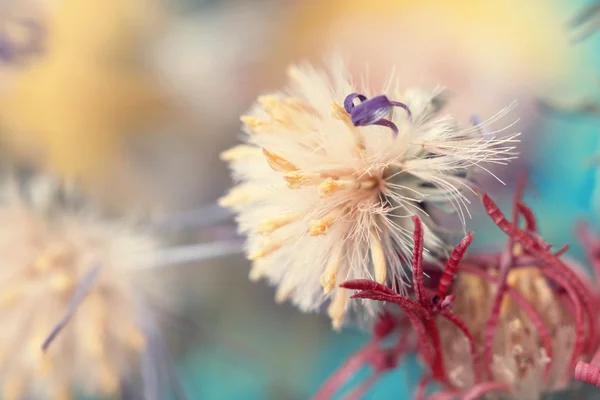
330 176
59 258
519 357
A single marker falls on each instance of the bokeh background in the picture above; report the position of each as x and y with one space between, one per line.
137 98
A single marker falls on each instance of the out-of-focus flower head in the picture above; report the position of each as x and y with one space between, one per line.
433 42
331 174
20 42
74 297
516 322
72 107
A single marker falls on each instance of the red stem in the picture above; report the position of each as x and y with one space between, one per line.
491 260
420 394
588 373
478 391
438 370
526 212
416 315
346 371
562 250
366 284
510 229
445 395
450 269
417 262
359 392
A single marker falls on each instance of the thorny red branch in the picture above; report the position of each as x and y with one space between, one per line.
555 270
425 305
506 261
421 311
590 372
371 354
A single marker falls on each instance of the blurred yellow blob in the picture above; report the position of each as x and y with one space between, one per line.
487 52
73 106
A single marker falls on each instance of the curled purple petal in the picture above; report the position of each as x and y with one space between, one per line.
370 111
349 101
389 124
402 105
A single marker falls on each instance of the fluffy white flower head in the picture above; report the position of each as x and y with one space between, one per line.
48 247
323 200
